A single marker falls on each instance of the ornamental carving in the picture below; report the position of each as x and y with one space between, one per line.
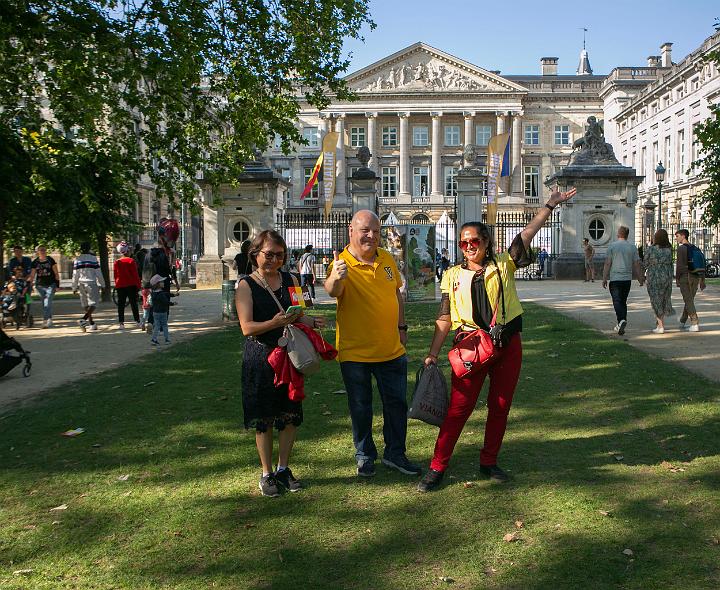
592 149
422 75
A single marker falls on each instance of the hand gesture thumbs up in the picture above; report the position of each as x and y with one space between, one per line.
339 267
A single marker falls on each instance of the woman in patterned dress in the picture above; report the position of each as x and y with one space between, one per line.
658 265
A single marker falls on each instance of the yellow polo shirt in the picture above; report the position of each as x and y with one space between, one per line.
457 281
367 311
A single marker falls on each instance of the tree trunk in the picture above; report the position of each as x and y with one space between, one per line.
104 259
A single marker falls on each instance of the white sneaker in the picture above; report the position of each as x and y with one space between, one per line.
139 326
694 328
50 323
83 325
93 327
620 328
121 326
658 330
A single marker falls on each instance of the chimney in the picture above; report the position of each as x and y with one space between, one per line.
666 58
653 61
549 66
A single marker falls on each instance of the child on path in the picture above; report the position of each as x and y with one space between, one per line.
147 307
160 307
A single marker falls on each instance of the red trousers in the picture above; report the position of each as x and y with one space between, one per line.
504 374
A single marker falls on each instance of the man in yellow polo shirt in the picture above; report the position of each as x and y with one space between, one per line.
371 336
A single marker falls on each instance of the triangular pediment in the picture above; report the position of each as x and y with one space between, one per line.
421 68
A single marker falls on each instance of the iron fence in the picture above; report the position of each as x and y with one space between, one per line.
328 233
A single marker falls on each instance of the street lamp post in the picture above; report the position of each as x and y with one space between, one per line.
660 176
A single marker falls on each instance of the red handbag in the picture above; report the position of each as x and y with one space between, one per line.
475 349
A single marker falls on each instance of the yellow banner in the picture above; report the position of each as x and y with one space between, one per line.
496 153
328 147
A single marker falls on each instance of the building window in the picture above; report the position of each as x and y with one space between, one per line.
285 172
420 136
315 192
654 155
420 218
420 181
562 134
452 135
389 136
451 181
694 149
532 134
532 181
357 137
312 136
389 181
483 134
241 231
681 153
596 229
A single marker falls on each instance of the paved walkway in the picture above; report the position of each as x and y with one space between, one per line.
591 304
64 353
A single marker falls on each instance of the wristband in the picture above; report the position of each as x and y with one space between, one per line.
403 328
551 207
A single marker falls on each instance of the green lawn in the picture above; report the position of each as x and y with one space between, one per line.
610 450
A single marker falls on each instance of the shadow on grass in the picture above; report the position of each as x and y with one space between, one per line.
592 423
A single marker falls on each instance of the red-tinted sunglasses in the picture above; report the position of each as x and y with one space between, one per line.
465 244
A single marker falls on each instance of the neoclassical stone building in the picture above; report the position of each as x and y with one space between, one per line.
416 110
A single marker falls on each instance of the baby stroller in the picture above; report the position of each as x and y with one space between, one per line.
8 359
20 316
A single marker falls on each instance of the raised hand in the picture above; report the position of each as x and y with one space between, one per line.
339 270
556 197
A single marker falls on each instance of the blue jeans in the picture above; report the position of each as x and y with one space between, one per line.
619 291
391 378
160 322
46 295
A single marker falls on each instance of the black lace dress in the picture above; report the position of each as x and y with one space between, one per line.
265 405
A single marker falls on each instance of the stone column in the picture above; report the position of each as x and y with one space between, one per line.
516 156
500 126
340 180
371 136
323 126
468 139
436 162
404 156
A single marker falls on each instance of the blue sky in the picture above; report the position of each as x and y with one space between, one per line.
512 35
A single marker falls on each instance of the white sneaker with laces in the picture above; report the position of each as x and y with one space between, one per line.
694 328
93 327
658 330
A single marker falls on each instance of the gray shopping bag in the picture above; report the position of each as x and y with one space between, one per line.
430 398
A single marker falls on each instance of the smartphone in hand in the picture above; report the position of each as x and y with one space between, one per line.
293 310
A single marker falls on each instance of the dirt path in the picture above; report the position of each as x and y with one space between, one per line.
64 353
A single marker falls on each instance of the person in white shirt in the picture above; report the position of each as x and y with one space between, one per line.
87 279
306 267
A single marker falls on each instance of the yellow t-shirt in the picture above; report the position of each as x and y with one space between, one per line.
367 310
457 283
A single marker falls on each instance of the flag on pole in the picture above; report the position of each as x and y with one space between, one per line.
329 145
313 177
498 164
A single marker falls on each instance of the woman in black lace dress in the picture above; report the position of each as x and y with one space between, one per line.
265 406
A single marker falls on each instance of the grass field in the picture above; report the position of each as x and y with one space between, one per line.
614 458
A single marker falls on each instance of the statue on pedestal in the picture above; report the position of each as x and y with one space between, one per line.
593 149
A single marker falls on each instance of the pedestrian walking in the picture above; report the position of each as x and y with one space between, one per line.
19 260
621 262
474 295
242 260
688 278
161 303
45 277
658 265
370 338
306 266
589 254
127 284
266 406
542 260
87 280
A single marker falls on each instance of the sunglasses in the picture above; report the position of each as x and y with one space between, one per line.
269 255
474 243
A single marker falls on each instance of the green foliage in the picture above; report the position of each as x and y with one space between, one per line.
707 134
175 87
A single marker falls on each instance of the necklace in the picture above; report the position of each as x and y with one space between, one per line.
264 282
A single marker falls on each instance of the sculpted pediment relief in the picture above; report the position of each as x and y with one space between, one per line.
422 71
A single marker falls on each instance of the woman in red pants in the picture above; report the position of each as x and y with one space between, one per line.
470 294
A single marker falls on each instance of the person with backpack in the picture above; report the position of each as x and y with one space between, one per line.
689 276
306 266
